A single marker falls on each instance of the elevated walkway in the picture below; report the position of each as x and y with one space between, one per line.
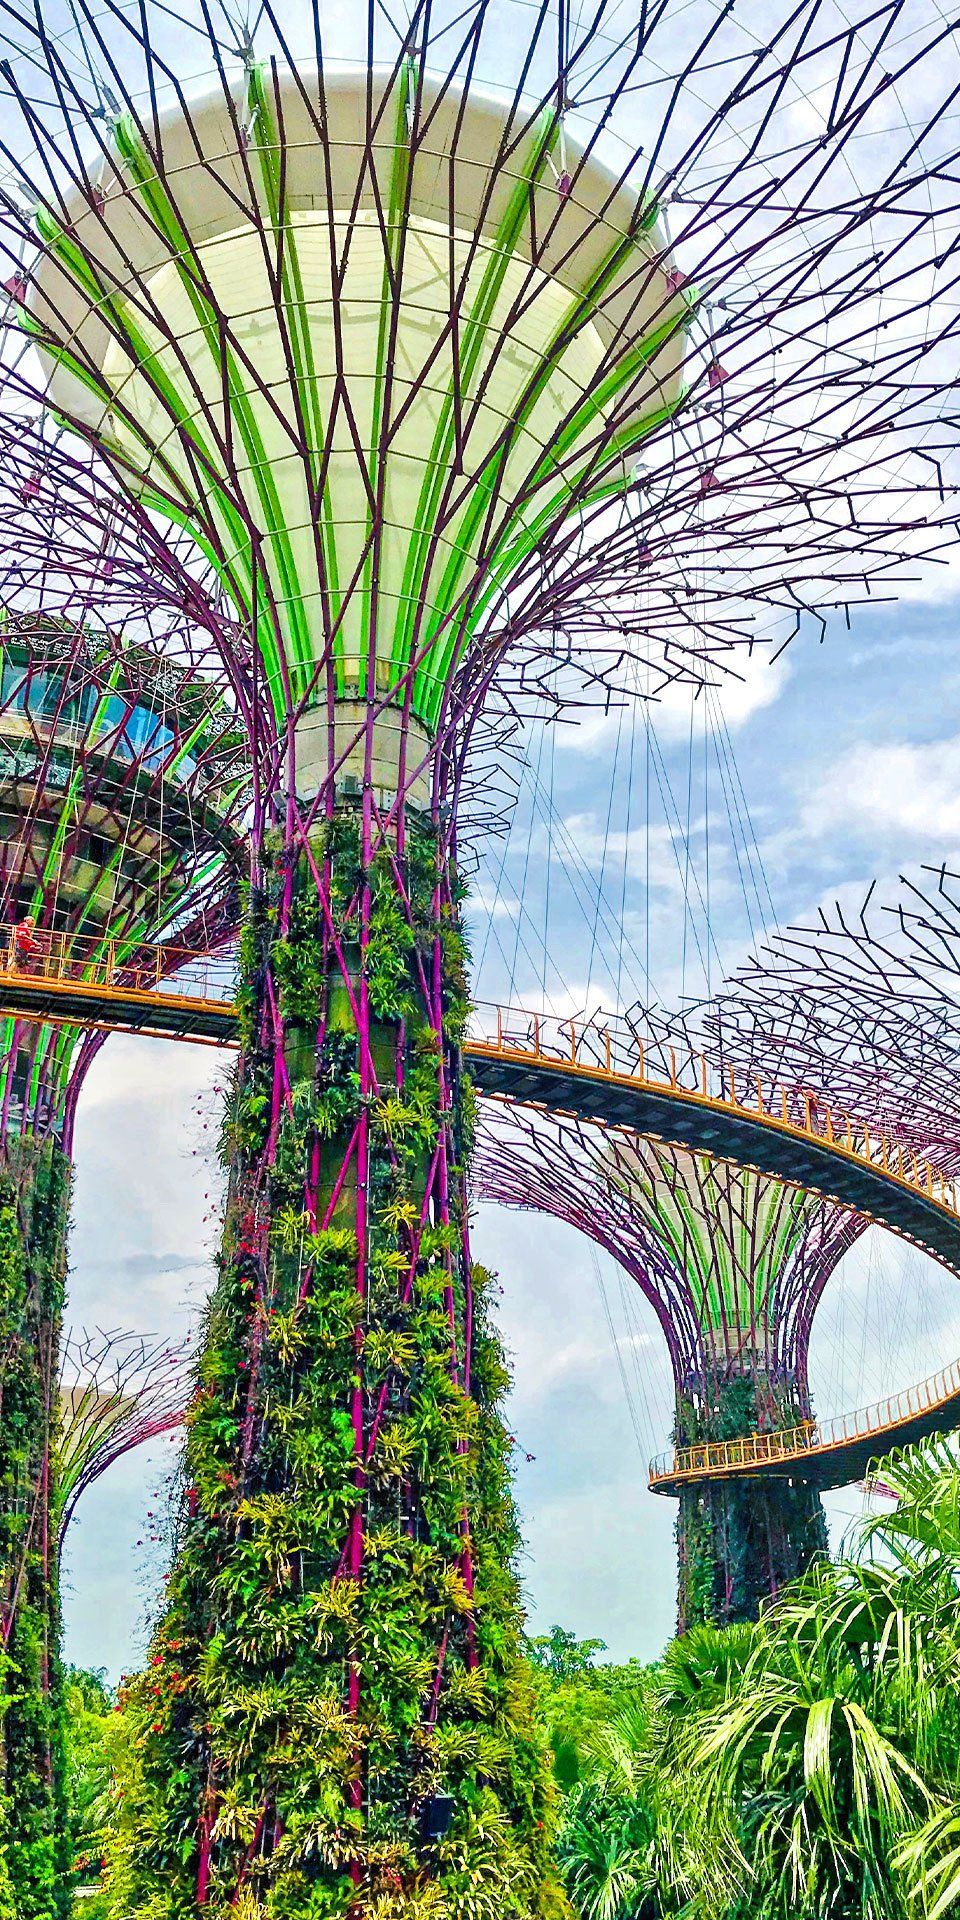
823 1454
162 990
597 1070
602 1073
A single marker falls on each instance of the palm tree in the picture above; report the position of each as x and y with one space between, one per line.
826 1778
607 1845
804 1768
922 1537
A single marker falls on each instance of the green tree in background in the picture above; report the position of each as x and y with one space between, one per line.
95 1735
560 1654
806 1767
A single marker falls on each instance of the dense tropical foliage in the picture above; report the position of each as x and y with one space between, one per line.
95 1738
806 1767
803 1767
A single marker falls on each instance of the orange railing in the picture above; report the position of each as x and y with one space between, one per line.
164 970
880 1422
613 1049
601 1046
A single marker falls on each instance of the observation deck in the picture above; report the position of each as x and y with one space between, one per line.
823 1454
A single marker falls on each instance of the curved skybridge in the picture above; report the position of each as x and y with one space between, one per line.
602 1071
599 1069
165 991
827 1453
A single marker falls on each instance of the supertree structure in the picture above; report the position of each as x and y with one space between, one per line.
446 381
122 783
733 1263
857 1011
117 1391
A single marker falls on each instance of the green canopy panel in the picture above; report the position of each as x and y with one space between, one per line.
367 373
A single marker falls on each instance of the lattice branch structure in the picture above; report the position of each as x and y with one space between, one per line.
858 1011
118 1391
463 393
734 1264
68 544
782 359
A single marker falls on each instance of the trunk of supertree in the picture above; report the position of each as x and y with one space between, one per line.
34 1849
740 1541
335 1718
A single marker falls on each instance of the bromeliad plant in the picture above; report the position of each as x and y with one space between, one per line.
336 1716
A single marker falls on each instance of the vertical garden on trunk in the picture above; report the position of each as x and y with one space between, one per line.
335 1699
739 1542
34 1207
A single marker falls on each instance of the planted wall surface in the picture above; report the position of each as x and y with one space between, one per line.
34 1853
335 1717
740 1541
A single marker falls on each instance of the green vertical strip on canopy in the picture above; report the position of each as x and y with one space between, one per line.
472 341
297 310
183 256
399 176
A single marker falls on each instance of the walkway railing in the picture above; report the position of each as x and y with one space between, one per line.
880 1422
613 1049
603 1047
163 969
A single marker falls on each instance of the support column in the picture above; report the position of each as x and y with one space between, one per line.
740 1541
336 1717
34 1207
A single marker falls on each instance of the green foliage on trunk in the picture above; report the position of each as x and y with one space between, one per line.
34 1203
247 1768
740 1541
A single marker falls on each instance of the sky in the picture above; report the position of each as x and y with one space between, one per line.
848 757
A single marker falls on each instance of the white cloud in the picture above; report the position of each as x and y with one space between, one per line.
654 855
756 683
937 582
558 1003
893 791
493 906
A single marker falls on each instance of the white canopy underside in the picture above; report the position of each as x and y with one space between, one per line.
368 416
325 573
735 1234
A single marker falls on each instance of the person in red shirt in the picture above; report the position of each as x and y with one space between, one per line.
26 946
